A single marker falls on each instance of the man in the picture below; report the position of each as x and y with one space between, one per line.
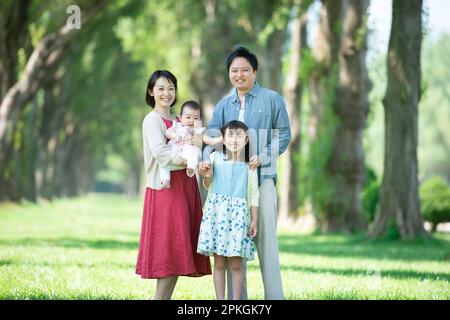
264 112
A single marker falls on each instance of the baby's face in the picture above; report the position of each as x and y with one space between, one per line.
191 118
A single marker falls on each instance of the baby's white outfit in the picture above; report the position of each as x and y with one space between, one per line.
191 153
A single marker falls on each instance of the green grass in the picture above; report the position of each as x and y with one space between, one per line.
85 248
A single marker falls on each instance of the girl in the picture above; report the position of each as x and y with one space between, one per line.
231 208
171 217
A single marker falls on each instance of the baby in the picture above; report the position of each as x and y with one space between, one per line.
191 124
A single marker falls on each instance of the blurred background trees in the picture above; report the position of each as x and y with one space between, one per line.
72 101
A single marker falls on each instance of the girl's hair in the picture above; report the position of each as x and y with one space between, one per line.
150 100
191 104
243 53
235 124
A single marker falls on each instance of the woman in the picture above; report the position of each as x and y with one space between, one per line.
171 217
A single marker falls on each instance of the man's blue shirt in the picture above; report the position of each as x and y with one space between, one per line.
267 119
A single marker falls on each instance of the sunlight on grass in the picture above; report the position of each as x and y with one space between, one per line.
86 248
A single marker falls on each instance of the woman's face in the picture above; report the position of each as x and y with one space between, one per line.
241 74
235 139
163 92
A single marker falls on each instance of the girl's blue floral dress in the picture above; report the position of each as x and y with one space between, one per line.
226 214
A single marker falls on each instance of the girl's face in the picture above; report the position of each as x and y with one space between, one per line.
191 118
163 92
235 140
241 74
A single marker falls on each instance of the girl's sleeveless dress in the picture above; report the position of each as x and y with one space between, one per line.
226 215
170 228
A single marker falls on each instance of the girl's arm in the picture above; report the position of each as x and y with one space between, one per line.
207 177
253 190
253 199
252 230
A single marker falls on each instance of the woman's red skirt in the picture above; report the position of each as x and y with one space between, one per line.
170 228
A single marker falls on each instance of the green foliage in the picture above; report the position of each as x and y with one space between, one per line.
279 21
307 65
321 184
392 232
370 194
435 200
434 110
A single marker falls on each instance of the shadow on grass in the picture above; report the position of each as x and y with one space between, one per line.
68 242
67 264
359 247
396 274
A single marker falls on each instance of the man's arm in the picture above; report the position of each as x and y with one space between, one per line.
214 128
211 141
282 134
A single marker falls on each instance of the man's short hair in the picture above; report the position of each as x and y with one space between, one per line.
244 53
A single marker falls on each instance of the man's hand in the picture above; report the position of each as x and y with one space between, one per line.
254 162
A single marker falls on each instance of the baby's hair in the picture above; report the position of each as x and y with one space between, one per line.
234 125
191 104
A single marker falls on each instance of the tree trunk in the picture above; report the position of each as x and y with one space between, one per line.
209 78
56 97
30 138
39 71
13 22
323 86
325 54
271 61
399 201
346 167
289 198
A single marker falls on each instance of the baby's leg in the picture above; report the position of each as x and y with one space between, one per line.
164 177
191 154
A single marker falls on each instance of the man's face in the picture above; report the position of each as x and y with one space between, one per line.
241 74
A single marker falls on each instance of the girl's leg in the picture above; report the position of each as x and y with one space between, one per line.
220 265
165 287
237 271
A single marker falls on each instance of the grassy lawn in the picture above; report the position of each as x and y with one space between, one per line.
86 248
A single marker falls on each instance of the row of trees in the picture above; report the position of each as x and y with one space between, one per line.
72 98
339 86
58 86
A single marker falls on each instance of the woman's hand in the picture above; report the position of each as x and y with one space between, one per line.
179 161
